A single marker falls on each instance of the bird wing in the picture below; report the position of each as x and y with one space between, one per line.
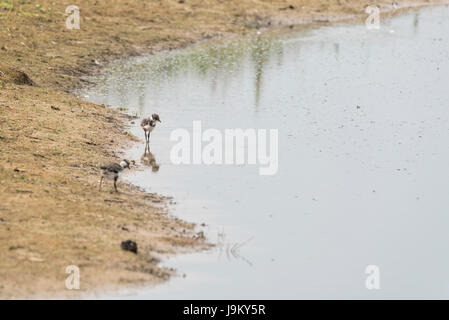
145 122
112 167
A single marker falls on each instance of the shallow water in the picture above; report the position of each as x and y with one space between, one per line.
363 159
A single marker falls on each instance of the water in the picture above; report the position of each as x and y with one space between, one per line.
363 173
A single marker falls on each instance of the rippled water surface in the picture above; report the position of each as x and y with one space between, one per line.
363 119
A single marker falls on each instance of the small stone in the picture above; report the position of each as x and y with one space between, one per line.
35 259
129 245
199 235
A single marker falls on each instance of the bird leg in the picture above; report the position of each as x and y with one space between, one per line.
115 184
101 181
147 148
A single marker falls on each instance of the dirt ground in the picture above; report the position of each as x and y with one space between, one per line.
52 144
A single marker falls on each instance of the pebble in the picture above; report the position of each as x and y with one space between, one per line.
129 245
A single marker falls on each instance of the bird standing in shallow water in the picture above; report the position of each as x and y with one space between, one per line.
112 171
148 124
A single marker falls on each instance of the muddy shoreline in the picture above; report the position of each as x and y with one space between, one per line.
52 214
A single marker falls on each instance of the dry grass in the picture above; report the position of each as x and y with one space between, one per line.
51 213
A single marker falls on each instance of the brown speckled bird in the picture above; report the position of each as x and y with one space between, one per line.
112 171
148 124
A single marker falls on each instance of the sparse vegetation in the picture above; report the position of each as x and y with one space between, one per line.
52 143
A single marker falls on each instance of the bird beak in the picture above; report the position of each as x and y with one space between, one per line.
159 121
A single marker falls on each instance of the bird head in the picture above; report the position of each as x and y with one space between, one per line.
155 117
125 164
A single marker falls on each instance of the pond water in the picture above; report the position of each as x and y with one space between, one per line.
363 174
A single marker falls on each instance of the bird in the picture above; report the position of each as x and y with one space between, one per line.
112 171
148 124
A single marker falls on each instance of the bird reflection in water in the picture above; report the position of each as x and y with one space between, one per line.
148 159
